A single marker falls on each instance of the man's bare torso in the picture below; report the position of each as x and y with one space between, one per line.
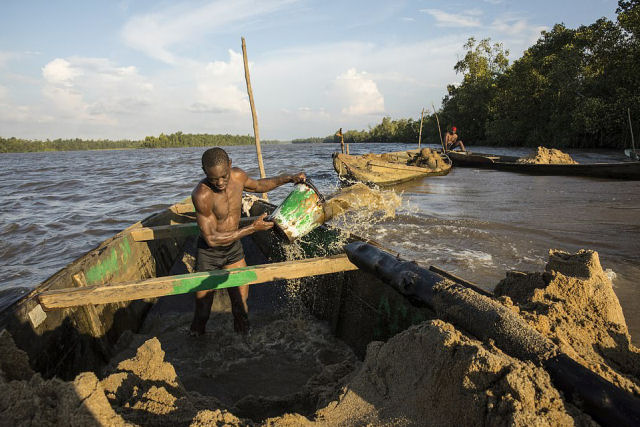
226 204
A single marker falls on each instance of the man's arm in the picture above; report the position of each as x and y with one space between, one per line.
208 223
267 184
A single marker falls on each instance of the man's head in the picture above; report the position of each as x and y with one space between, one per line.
454 129
216 164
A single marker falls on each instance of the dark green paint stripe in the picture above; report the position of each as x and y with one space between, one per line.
217 280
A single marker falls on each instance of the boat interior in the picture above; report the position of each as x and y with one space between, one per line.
355 307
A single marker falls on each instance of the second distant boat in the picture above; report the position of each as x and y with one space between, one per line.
391 168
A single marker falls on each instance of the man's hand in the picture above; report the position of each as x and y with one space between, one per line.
260 224
298 178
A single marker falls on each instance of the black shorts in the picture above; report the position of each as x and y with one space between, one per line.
214 258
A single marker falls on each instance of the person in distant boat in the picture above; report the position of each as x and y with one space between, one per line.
451 140
217 200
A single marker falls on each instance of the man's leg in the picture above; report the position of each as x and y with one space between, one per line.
204 299
238 296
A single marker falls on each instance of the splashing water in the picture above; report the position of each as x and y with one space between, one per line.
352 210
358 208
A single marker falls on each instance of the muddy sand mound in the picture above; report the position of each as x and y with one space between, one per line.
544 155
573 303
434 374
145 390
28 400
430 158
429 372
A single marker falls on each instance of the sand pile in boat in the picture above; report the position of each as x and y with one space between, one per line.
27 399
573 303
429 372
544 155
217 379
428 158
433 374
146 390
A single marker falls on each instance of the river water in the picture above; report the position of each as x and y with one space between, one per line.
477 224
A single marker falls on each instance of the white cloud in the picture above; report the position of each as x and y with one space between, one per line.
359 92
5 57
157 34
517 30
298 92
308 114
459 20
93 89
60 72
220 87
409 74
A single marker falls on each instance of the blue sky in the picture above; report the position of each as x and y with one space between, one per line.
127 69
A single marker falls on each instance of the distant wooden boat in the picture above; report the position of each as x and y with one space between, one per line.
388 168
629 170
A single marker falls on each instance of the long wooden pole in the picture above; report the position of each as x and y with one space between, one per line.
634 155
420 134
256 132
444 150
184 283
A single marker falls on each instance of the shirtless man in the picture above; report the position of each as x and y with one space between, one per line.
451 140
218 200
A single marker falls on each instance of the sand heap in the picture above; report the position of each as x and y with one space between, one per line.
430 372
26 399
573 303
548 156
435 375
429 158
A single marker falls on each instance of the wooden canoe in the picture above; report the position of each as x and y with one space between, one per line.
386 169
65 342
629 170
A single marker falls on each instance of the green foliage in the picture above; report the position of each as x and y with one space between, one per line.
402 130
178 139
467 106
571 88
629 16
313 140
